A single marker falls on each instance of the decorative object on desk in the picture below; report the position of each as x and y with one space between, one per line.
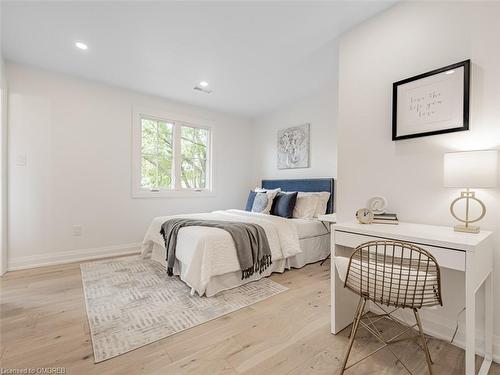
293 147
470 169
364 215
385 218
432 103
377 204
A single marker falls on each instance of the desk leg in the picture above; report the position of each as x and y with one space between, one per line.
478 272
488 325
470 324
488 296
344 301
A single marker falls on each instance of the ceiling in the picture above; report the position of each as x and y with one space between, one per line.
256 56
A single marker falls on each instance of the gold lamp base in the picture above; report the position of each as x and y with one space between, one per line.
467 228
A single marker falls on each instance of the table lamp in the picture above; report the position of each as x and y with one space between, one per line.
469 170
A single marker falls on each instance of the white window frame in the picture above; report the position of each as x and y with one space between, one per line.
178 120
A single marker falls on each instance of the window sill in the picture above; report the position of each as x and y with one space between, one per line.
173 194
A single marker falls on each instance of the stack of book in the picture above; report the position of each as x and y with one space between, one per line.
385 218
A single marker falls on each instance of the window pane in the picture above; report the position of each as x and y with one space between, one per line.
194 146
165 172
157 151
193 174
148 171
165 138
149 130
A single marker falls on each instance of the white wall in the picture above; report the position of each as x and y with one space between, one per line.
77 139
408 39
319 110
3 169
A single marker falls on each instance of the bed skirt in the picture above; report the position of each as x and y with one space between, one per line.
314 249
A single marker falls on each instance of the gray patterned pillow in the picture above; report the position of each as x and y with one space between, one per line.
260 203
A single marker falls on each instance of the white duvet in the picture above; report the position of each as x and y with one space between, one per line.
206 252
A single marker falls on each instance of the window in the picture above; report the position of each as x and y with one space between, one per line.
157 154
194 147
171 155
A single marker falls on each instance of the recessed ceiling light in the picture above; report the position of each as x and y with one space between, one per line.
204 84
81 46
450 72
206 90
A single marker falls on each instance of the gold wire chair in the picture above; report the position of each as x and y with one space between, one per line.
395 274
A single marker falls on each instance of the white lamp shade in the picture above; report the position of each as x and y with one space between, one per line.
471 169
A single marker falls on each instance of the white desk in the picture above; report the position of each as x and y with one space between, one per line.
470 253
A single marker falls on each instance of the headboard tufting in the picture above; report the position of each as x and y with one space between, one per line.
306 185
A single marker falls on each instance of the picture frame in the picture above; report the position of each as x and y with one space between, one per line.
293 147
436 102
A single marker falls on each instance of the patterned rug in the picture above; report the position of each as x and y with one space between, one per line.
131 303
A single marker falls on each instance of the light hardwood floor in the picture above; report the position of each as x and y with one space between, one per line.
44 324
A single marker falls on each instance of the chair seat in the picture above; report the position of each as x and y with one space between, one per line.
389 284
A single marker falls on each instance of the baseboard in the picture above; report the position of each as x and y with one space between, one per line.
436 325
70 256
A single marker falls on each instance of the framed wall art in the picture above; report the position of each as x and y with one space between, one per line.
432 103
293 147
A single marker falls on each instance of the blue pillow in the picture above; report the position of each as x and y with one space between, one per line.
251 198
283 204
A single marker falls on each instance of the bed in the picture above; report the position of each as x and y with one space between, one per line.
206 258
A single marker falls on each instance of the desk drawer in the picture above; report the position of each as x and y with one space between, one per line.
447 258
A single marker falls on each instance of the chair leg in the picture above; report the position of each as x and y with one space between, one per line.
423 340
355 316
353 335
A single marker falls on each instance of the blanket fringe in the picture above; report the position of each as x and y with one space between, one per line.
260 267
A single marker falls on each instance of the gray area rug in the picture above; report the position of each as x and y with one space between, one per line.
132 302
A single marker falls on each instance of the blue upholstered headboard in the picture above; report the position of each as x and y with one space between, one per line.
306 185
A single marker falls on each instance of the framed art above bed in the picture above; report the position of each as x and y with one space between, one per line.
293 147
432 103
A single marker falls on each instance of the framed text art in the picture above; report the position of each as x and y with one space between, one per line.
432 103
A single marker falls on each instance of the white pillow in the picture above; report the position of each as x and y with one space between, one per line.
262 190
321 202
264 200
323 197
305 206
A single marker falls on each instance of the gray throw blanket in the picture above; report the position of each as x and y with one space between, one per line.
250 240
